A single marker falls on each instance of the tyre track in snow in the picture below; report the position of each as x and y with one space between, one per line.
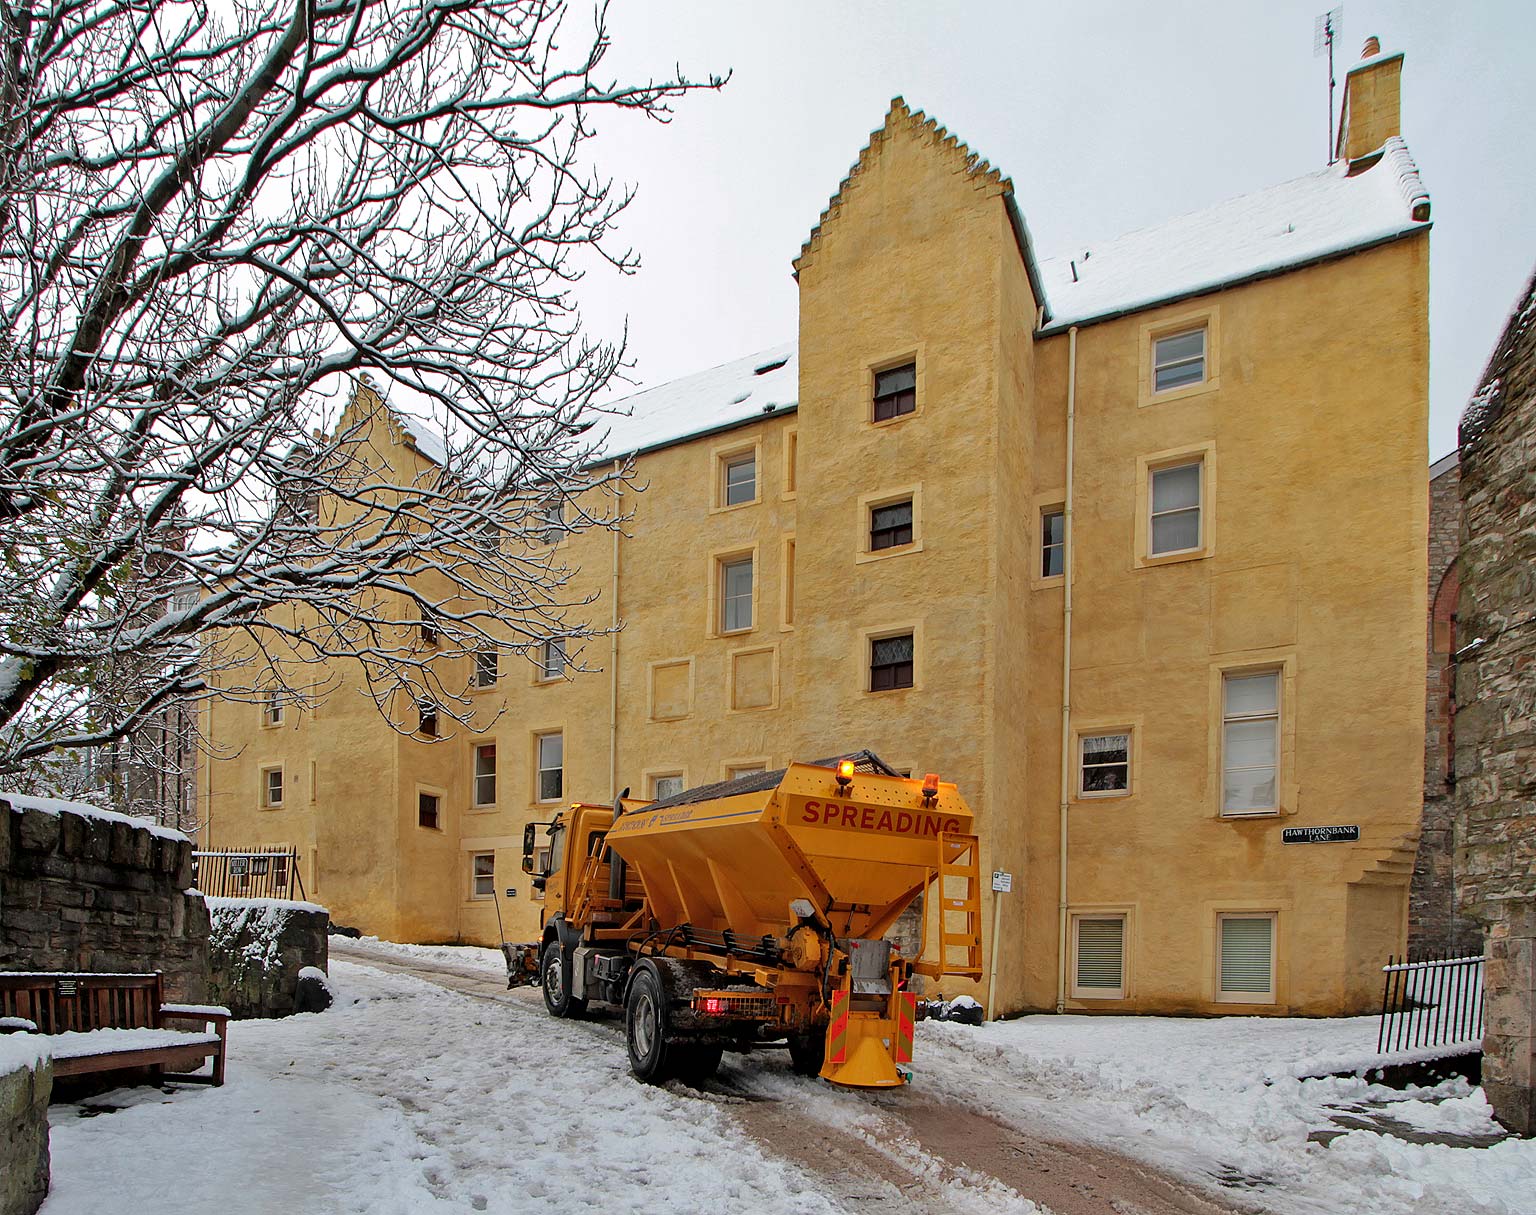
872 1149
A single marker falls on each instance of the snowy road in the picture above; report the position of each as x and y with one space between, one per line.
430 1087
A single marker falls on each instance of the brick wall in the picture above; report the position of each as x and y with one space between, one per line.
86 893
1495 724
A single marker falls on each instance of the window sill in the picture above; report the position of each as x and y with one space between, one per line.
1241 816
898 419
1047 582
733 633
897 550
1089 799
724 508
489 808
889 691
1188 554
1169 395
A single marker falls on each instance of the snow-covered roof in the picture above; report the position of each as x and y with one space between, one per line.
1300 221
724 396
423 438
57 805
1308 219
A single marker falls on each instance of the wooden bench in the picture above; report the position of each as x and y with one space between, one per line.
110 1022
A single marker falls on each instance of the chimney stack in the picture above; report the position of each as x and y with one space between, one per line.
1372 110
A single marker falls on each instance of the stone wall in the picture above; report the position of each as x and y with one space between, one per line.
26 1082
1496 704
257 947
1509 1046
1434 926
84 890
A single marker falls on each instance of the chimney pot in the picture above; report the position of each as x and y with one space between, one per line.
1372 47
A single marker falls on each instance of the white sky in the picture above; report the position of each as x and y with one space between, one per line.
1107 115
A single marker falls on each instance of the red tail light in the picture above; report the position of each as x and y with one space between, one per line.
712 1004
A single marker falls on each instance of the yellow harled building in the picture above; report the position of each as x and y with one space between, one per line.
1129 543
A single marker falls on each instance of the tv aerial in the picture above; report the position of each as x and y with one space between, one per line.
1325 32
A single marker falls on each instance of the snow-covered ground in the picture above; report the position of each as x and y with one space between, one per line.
1227 1098
408 1098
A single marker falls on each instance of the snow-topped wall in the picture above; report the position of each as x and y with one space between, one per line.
258 951
26 1082
88 890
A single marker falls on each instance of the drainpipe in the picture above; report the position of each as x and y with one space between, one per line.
1066 678
613 649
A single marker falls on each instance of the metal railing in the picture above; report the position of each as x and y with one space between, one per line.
1431 1002
256 873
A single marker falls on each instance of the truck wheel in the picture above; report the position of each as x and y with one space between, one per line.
557 984
645 1029
807 1052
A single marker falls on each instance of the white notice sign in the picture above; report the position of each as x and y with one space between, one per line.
1002 881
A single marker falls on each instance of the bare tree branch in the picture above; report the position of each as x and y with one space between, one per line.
206 226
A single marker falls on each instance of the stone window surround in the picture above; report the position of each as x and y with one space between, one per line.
534 736
867 638
869 503
1124 912
1258 999
917 356
742 766
726 454
1254 662
649 777
442 803
718 560
477 778
264 796
475 876
1207 318
1093 728
1174 457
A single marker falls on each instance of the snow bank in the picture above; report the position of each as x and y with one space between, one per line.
474 958
1233 1101
407 1098
57 806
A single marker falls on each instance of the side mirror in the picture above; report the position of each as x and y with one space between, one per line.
528 841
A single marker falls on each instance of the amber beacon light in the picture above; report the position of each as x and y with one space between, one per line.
844 774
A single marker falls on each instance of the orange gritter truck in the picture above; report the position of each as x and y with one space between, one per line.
754 913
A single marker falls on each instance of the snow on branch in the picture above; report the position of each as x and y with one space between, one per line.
214 221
